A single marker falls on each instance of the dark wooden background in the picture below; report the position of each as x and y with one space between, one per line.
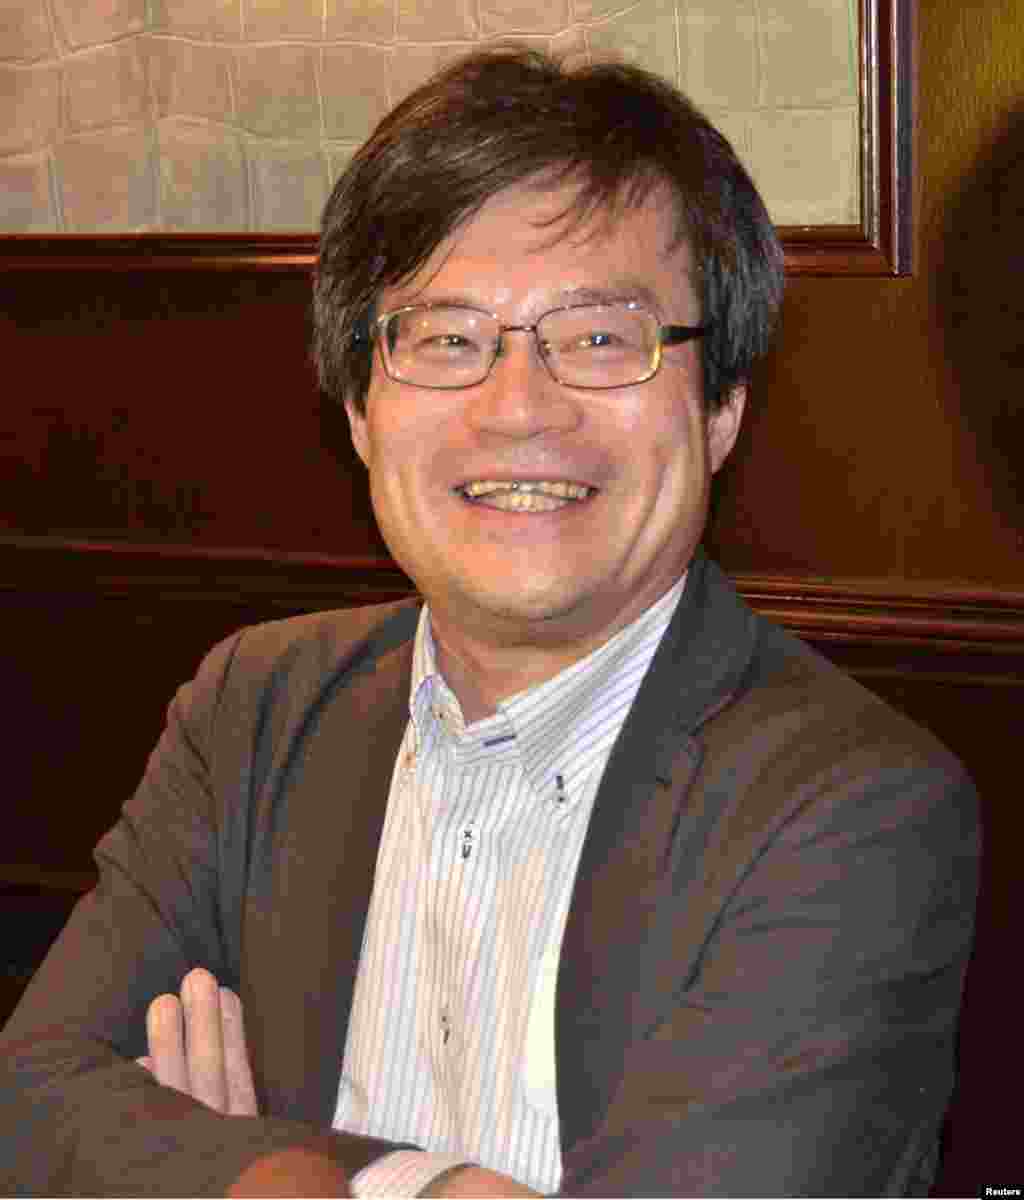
169 472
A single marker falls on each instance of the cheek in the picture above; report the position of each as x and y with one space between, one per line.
669 440
678 476
388 434
403 462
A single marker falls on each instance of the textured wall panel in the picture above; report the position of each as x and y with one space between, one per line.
106 180
27 192
223 99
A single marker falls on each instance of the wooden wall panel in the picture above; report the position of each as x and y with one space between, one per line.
172 408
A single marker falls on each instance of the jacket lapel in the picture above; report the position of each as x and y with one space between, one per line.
322 876
642 848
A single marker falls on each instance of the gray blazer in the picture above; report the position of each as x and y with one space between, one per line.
760 976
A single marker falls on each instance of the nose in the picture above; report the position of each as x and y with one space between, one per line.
520 398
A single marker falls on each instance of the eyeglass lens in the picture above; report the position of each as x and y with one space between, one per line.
587 346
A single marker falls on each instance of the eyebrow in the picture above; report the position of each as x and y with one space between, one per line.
616 293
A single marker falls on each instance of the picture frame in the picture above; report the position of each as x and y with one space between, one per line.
880 244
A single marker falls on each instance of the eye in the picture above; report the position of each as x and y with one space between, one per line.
592 341
446 345
599 339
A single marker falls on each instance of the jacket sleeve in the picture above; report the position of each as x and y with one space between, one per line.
808 1047
77 1115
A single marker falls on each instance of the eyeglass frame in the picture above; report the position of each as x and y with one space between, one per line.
367 331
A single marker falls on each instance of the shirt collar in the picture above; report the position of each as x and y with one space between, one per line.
547 725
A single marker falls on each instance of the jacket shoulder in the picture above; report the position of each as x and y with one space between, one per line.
735 675
789 676
266 679
338 632
312 646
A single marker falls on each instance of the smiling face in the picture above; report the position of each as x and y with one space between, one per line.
560 571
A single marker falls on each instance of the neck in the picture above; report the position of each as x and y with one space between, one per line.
483 666
482 675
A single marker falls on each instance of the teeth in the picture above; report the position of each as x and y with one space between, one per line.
523 501
559 488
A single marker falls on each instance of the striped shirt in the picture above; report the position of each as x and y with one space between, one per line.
451 1040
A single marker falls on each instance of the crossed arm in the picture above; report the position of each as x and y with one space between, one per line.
196 1045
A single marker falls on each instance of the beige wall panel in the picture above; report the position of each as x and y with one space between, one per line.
198 18
355 84
189 79
106 181
588 11
788 153
26 195
203 179
371 20
436 20
412 65
644 34
276 90
29 107
105 86
792 77
90 22
502 18
25 33
263 20
289 184
719 54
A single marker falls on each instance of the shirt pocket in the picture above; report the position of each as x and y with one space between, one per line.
539 1076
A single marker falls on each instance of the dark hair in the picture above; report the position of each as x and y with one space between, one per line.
507 115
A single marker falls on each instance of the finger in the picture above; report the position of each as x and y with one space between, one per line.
166 1035
241 1092
146 1063
204 1045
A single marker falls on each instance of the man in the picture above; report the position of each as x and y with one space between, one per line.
582 878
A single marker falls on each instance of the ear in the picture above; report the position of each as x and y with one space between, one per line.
724 426
357 426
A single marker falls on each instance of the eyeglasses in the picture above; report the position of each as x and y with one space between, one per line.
583 346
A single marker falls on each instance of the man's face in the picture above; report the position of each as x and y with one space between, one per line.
571 575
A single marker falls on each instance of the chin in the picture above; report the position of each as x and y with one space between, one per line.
550 603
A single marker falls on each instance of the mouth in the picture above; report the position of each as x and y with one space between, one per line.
520 495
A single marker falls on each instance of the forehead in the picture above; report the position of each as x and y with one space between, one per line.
526 248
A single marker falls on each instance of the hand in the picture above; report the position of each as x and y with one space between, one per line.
296 1172
475 1181
197 1045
